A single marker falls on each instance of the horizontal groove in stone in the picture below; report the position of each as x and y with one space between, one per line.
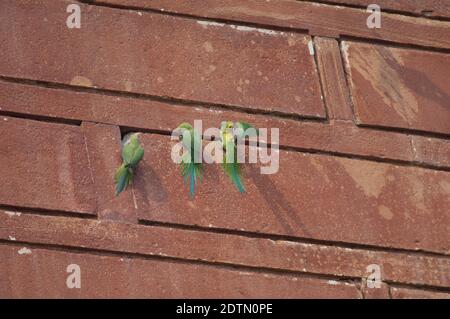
280 255
337 138
319 19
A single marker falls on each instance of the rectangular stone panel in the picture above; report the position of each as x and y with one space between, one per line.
398 87
311 196
44 166
161 55
319 19
251 251
26 272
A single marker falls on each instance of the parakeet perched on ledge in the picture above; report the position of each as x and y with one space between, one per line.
192 142
229 131
132 153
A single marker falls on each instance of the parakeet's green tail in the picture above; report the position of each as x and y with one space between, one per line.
233 171
191 171
123 177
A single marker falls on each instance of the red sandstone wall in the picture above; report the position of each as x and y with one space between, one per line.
364 119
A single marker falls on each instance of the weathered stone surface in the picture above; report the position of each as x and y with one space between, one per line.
337 205
397 87
318 19
334 198
407 293
431 150
234 249
337 98
381 292
160 55
337 136
343 137
42 273
429 8
44 166
103 147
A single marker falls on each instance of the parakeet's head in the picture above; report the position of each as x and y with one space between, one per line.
225 125
183 130
226 132
185 126
130 138
134 137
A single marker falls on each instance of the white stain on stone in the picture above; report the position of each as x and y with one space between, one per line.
81 81
311 47
24 251
414 146
344 48
287 243
239 27
11 238
208 46
245 273
251 29
128 86
206 24
12 214
333 282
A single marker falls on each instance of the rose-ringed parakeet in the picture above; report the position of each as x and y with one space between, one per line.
132 153
229 131
191 169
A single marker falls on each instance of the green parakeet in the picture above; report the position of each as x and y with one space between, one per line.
132 153
192 142
228 133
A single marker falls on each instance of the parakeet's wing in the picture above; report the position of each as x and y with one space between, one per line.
119 172
138 154
128 147
231 166
122 178
190 170
132 152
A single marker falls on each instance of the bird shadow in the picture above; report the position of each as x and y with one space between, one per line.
149 191
283 211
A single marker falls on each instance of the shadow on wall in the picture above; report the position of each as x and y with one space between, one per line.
283 211
156 192
153 191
